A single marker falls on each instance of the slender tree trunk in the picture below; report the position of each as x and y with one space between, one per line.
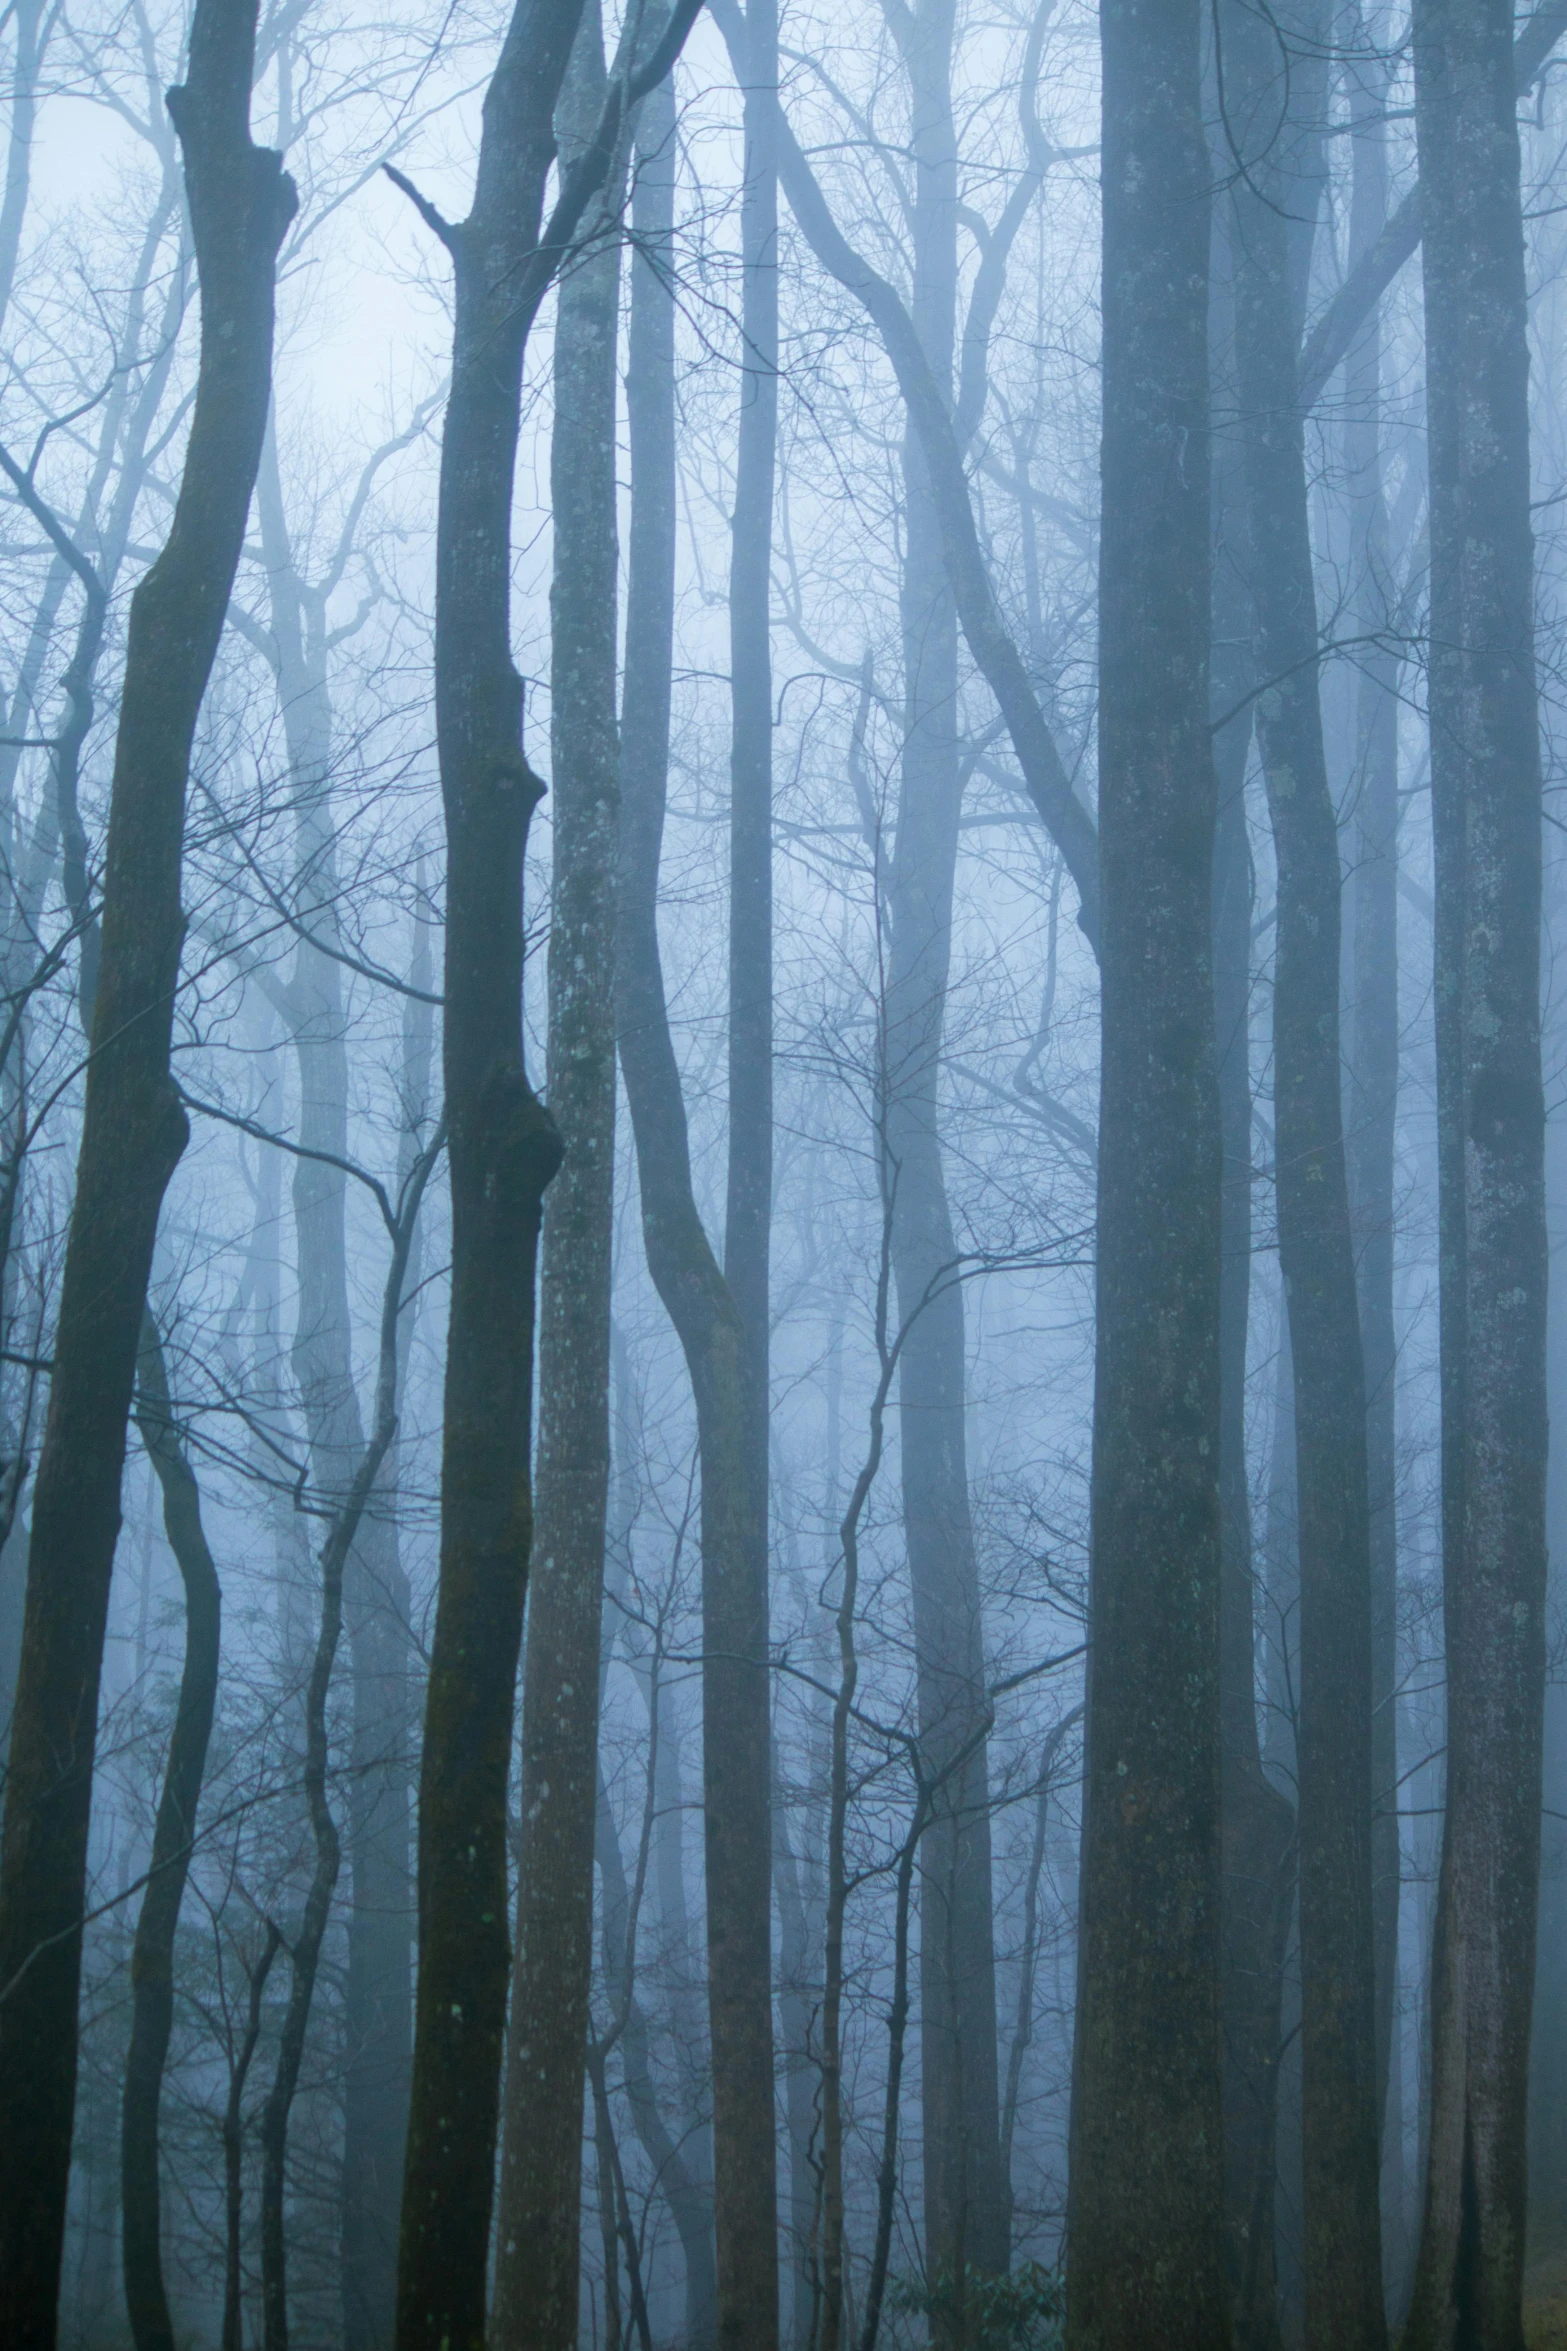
132 1136
1146 2202
1373 1056
1258 1820
713 1335
174 1830
1486 814
1275 208
234 2145
537 2259
965 2207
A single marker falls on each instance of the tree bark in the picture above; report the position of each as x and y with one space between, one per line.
1146 2201
1276 202
132 1135
714 1337
1486 816
537 2257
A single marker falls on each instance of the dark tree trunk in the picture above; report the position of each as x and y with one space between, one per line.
537 2257
174 1830
503 1152
1275 209
714 1337
1146 2201
1486 816
132 1135
1258 1821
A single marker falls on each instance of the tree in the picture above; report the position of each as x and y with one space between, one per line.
537 2257
1145 2217
132 1136
1486 817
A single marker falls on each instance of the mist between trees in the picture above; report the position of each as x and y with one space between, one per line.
780 1123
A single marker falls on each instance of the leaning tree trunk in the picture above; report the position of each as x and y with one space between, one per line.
713 1334
133 1132
173 1840
1146 2201
1486 820
537 2256
1275 207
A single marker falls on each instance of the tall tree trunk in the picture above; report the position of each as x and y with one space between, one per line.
1146 2200
965 2207
503 1153
537 2258
173 1838
1486 816
714 1337
132 1135
1373 1053
1275 207
1258 1820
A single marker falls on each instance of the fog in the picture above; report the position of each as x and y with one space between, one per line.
780 1130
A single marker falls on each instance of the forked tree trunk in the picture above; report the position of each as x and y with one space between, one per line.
1275 204
1146 2201
537 2254
504 1149
133 1132
1486 817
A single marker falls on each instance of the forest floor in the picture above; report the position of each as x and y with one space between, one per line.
1545 2305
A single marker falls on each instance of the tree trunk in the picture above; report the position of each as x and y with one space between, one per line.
173 1836
537 2258
965 2207
1486 816
1275 212
1146 2199
1373 1061
714 1337
503 1152
1258 1820
132 1135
